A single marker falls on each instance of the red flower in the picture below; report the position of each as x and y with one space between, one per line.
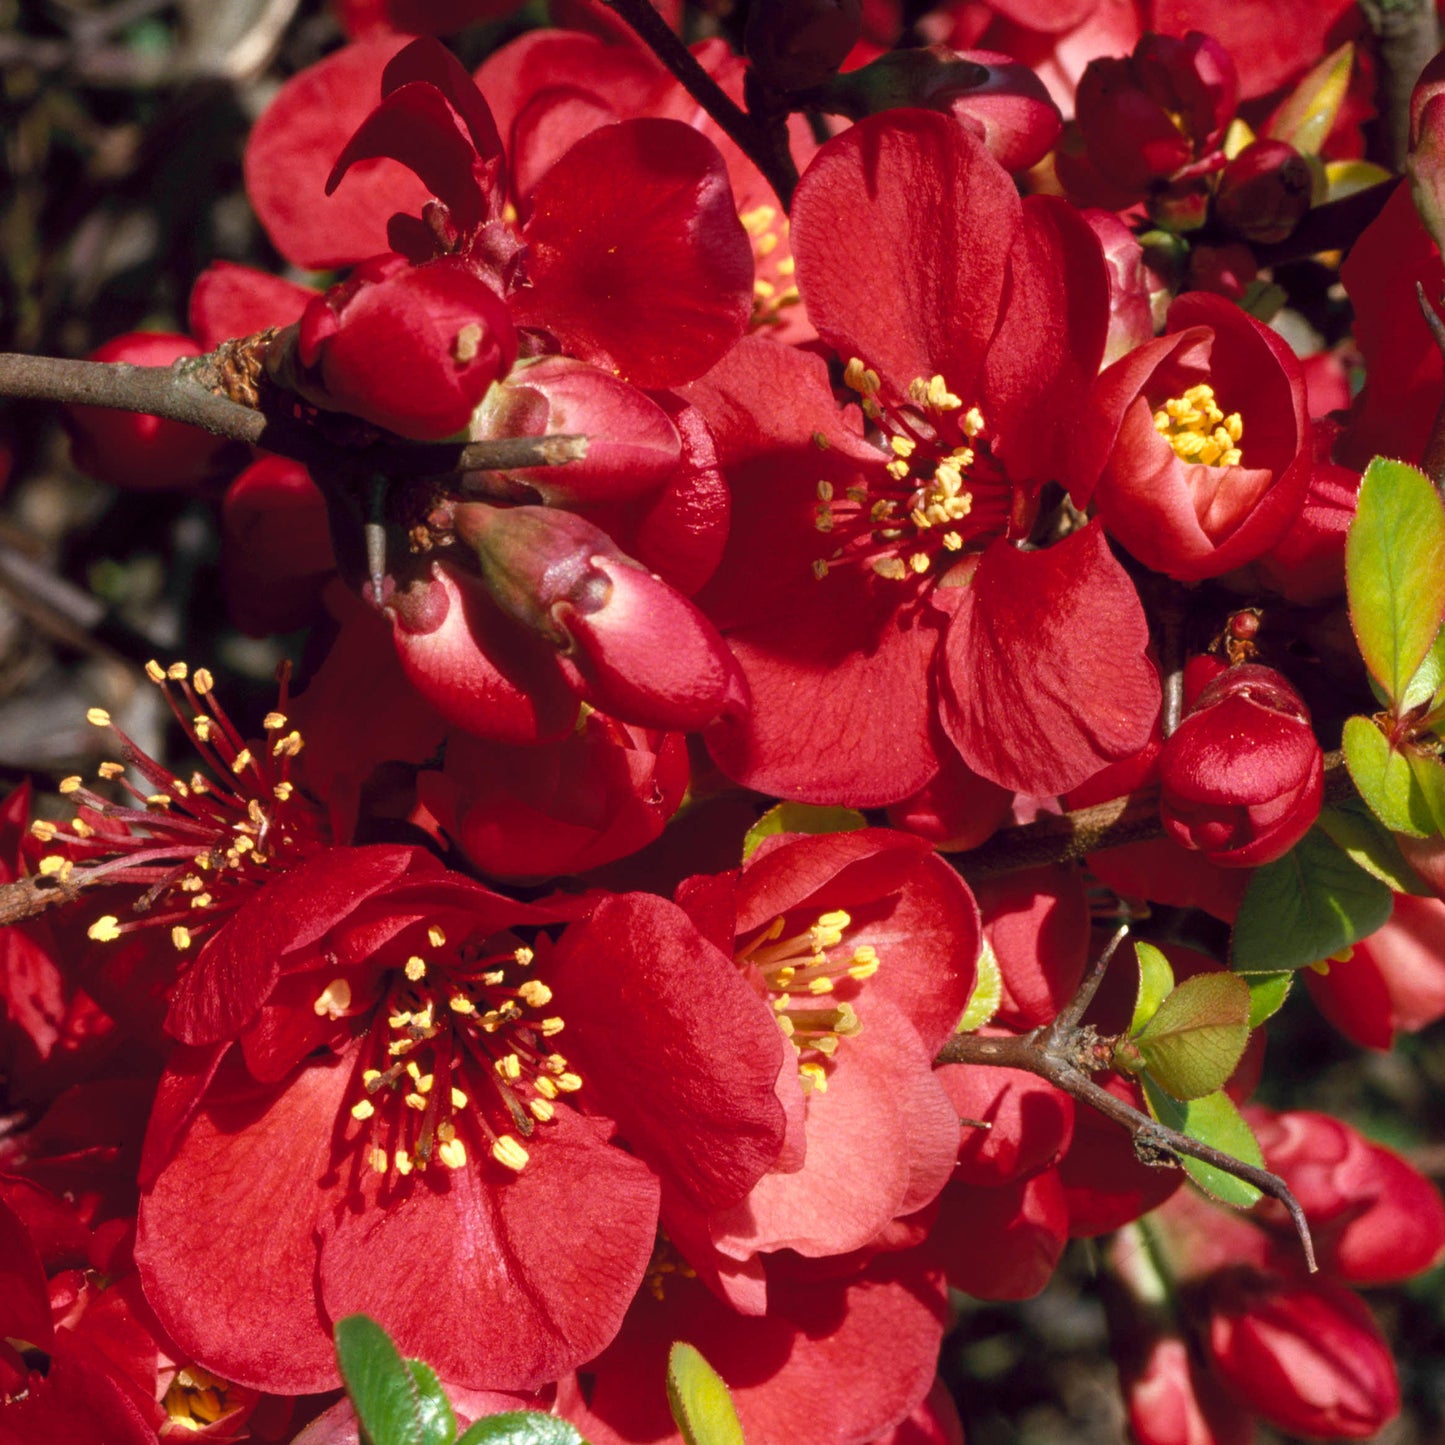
872 592
395 1135
1198 449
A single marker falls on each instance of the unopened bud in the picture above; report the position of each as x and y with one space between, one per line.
1264 192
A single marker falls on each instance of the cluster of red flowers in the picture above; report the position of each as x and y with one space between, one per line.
968 488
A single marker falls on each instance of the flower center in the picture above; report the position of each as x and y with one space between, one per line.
666 1263
1198 430
196 1398
461 1067
940 490
774 289
803 974
198 847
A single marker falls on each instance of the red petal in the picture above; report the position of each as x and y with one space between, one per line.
230 300
1026 711
638 260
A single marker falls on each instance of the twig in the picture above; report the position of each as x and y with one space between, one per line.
756 141
1154 1142
1407 34
1068 1019
175 393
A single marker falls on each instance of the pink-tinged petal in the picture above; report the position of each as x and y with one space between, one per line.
549 125
500 1282
24 1297
230 300
1026 712
840 713
901 229
882 1104
246 1172
480 670
230 978
637 258
188 1075
294 146
674 1044
1029 1124
1050 340
1003 1244
1037 921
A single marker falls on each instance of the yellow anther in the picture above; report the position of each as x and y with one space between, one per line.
460 1004
509 1066
535 994
763 290
897 470
363 1109
158 801
43 830
70 785
903 446
820 985
541 1110
813 1077
82 829
758 220
545 1086
54 866
864 963
973 423
370 1078
459 1099
104 930
819 569
202 727
891 568
1198 431
466 343
786 267
155 671
859 378
919 562
201 900
413 1070
569 1083
97 717
551 1026
824 490
241 761
181 937
273 722
203 682
953 541
333 1000
523 956
379 1161
453 1153
402 1160
847 1022
508 1152
178 671
414 1101
416 968
786 1024
288 746
282 791
766 245
435 936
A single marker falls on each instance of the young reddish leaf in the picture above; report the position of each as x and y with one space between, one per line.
801 818
699 1399
1196 1037
1304 907
381 1387
1386 780
1156 983
1213 1120
1395 571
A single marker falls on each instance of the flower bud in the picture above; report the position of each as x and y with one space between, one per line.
632 446
1264 192
795 44
133 450
1302 1353
1160 112
1132 285
1172 1401
633 646
409 348
1242 776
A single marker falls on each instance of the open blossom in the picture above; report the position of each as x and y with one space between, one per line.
874 590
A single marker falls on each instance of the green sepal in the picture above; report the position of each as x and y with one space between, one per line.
1395 571
521 1427
1212 1120
1385 779
801 818
987 995
1194 1040
1156 983
382 1388
699 1399
1353 827
1304 907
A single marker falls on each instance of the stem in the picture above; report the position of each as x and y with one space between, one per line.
1407 35
767 148
175 393
1433 461
1068 1020
1154 1143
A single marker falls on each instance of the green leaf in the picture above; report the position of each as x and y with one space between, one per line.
1267 993
987 995
700 1401
1308 113
1385 779
380 1385
1395 571
1196 1036
801 818
1353 827
1304 907
434 1410
1213 1120
521 1427
1429 676
1156 982
1428 774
